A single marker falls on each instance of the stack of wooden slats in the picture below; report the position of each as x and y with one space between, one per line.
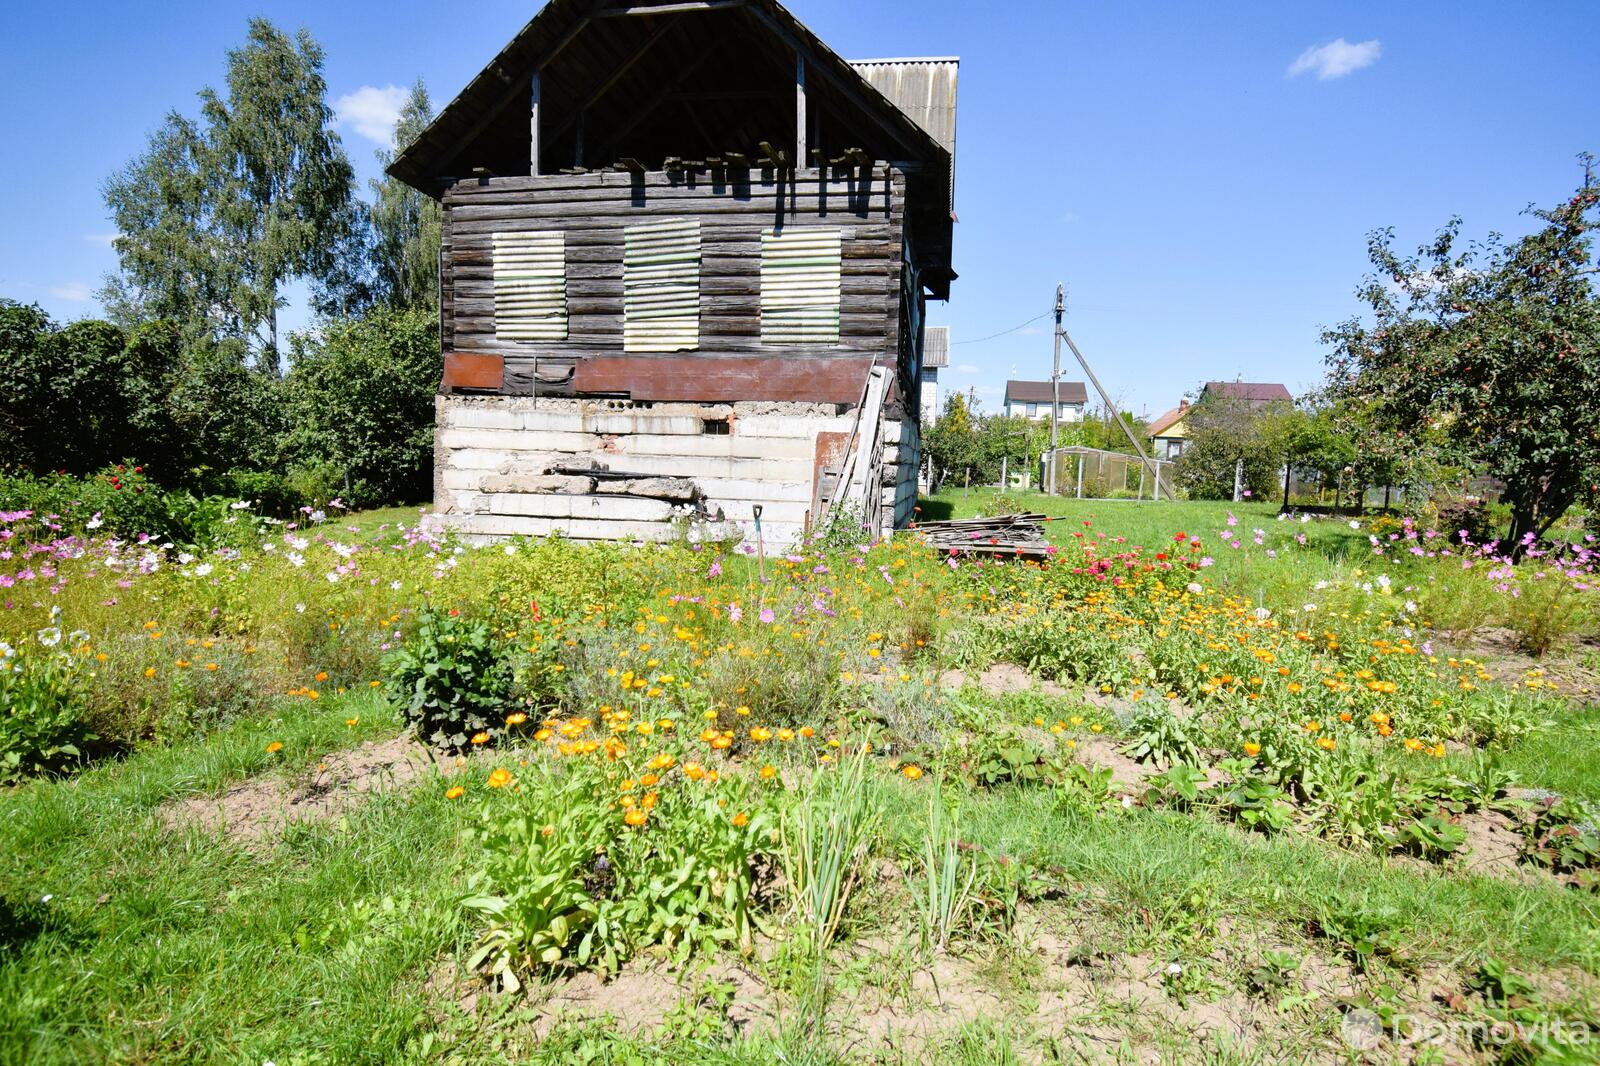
1012 534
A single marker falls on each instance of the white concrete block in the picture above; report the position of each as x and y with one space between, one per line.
625 508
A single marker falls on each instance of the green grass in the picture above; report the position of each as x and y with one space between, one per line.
159 943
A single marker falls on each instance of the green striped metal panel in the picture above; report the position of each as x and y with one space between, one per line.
800 285
661 286
530 286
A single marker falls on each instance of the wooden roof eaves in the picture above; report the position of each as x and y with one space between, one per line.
537 42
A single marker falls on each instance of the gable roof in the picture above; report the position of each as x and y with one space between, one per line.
655 79
1040 392
1252 391
1168 420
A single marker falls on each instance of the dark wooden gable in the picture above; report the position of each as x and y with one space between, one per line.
651 84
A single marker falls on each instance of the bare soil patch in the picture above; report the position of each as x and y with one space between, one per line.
258 809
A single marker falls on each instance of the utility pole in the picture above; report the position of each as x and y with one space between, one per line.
1055 390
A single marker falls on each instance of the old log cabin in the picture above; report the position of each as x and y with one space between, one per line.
685 257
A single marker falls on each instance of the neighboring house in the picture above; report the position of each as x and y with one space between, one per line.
685 255
1168 434
935 357
1256 394
1032 399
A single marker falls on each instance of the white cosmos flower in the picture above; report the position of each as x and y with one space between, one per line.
50 636
1354 524
300 608
202 570
6 650
1308 608
94 523
296 558
343 551
240 506
395 585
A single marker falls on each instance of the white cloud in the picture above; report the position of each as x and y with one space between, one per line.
966 368
1335 59
100 238
72 291
372 112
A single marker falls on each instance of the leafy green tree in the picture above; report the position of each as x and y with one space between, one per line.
405 223
360 398
82 396
1488 357
954 442
215 219
1224 430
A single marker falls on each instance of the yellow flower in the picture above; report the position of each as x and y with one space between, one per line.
374 684
454 792
150 671
768 772
635 817
741 820
1326 743
516 718
322 675
911 771
351 722
499 778
1252 749
480 738
276 745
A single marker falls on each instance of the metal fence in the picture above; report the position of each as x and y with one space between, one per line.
1093 473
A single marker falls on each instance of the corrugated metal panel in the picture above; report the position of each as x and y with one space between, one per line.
925 89
800 285
935 347
661 286
530 285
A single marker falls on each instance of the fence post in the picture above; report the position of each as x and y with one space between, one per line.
1238 481
1080 475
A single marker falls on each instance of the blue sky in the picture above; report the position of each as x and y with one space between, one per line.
1202 190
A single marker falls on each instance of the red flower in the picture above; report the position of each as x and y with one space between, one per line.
1181 537
454 613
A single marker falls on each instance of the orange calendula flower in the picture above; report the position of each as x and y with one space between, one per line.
150 671
516 718
276 745
911 771
693 771
768 772
741 820
499 778
454 792
1252 749
1326 743
322 675
350 723
480 738
635 817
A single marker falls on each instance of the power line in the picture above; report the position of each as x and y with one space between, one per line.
1002 333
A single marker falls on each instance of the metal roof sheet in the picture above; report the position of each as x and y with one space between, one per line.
1040 392
935 347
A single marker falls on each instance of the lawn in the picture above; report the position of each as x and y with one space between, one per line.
1301 793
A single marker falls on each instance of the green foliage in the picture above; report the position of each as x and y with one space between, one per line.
43 692
559 879
1488 358
81 396
1224 430
826 836
1364 934
942 888
405 222
1160 738
452 679
1563 836
360 397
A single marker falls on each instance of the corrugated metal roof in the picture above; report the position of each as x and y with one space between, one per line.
935 347
1040 392
925 89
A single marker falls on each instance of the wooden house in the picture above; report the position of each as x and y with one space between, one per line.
685 256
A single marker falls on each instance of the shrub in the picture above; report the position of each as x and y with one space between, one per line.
1465 521
452 679
43 689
